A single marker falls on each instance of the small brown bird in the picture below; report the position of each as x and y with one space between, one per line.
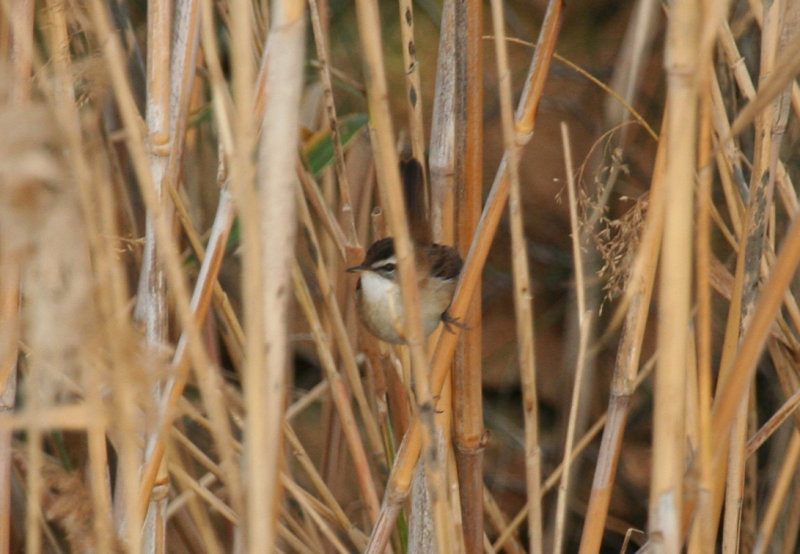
378 292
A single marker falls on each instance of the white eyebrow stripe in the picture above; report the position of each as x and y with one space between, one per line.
381 263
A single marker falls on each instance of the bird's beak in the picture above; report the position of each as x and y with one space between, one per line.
356 269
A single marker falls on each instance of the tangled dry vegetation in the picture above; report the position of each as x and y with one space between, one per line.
183 183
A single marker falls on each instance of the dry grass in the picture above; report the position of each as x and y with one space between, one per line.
181 366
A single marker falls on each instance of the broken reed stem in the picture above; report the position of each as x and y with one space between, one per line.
523 292
569 455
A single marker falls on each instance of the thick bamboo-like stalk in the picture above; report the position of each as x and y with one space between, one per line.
151 300
35 382
206 282
523 292
391 192
416 123
666 487
441 215
442 143
265 404
470 436
266 257
398 486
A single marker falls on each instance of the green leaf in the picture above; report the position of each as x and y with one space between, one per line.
318 150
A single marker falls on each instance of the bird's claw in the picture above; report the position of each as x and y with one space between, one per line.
449 322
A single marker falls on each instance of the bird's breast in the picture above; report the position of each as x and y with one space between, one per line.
380 305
